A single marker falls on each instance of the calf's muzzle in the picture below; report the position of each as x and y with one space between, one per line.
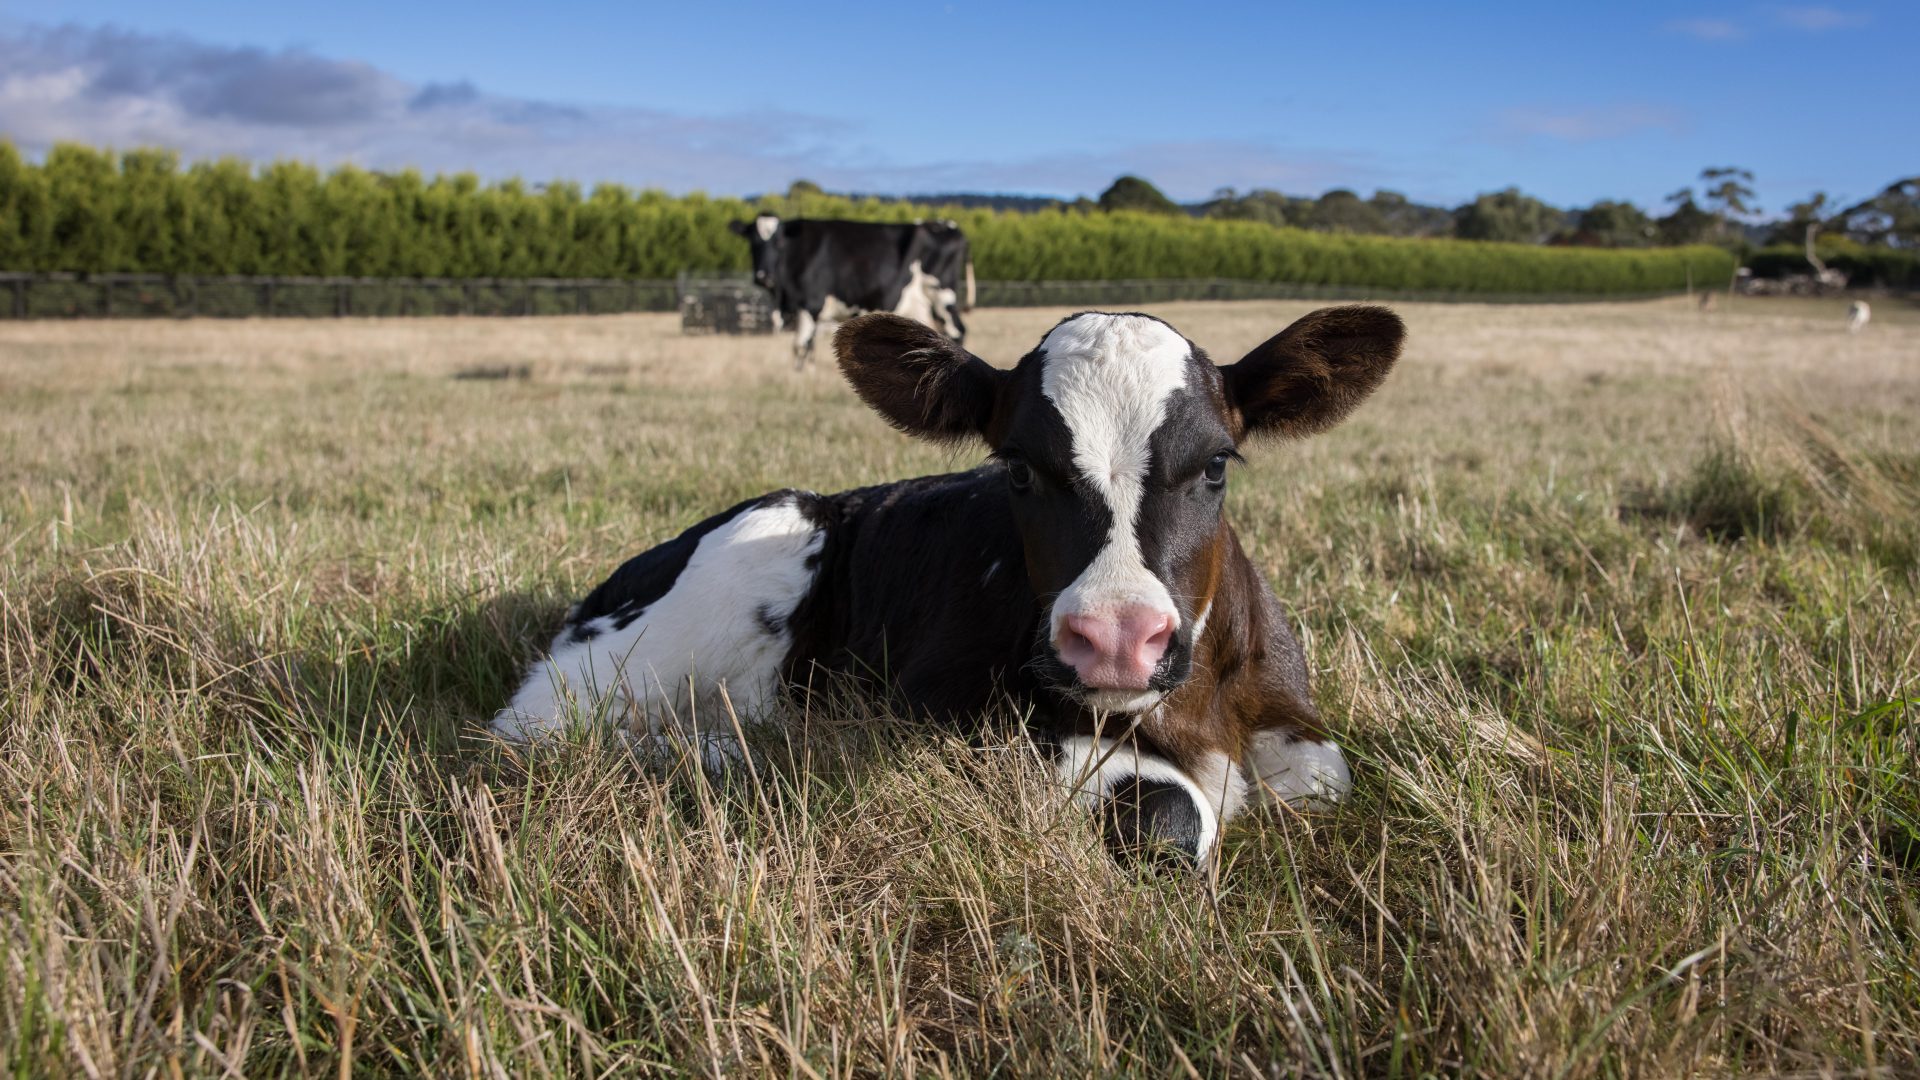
1116 650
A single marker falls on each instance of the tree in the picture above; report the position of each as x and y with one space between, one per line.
1891 218
1401 216
1793 228
1614 224
1260 204
1133 193
1686 223
1728 195
1341 211
1508 216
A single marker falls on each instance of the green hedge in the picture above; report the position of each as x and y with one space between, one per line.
93 211
1884 267
1066 246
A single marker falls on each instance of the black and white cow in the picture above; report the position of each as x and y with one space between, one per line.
1086 574
825 270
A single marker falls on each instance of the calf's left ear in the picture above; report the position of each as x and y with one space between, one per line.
917 378
1308 377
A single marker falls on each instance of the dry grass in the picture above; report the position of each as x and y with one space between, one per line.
1615 603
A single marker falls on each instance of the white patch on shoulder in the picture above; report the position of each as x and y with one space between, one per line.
1110 376
705 636
1090 768
766 225
916 298
1300 772
834 309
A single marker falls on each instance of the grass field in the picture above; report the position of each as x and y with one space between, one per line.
1615 607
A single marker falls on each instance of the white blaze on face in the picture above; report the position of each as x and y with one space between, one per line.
1110 376
765 225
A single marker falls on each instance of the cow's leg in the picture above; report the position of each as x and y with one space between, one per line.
955 328
804 324
713 633
1145 802
1297 770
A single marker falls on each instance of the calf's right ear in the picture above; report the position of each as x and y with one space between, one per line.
740 228
917 378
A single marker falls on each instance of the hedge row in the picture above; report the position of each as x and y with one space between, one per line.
94 211
1883 267
1107 246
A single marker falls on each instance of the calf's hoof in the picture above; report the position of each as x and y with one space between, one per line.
1155 822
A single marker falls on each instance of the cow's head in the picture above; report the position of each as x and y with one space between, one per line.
762 235
1115 435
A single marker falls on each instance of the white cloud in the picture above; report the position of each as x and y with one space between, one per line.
1810 18
114 88
1817 18
109 87
1707 29
1589 124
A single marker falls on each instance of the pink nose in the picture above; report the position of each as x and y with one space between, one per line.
1115 651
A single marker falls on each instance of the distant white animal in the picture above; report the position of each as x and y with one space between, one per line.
1858 315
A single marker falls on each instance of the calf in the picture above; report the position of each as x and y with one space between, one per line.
1086 575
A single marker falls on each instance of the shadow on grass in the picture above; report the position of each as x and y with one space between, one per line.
434 676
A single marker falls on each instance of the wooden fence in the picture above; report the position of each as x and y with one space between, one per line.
83 296
70 296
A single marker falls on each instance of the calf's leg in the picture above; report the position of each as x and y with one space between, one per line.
1147 805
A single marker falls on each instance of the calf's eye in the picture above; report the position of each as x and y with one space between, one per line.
1216 472
1019 475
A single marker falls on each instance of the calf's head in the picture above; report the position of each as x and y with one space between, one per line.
1115 435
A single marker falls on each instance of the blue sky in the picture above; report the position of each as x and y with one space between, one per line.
1438 101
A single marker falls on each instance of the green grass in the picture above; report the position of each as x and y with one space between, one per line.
1614 605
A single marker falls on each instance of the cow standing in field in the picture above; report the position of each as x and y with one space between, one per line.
821 270
1086 576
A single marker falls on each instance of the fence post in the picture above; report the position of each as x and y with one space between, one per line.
266 297
20 298
106 298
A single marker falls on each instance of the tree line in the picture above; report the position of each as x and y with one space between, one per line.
90 210
1877 240
1719 209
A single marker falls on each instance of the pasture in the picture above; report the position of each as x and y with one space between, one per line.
1613 606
